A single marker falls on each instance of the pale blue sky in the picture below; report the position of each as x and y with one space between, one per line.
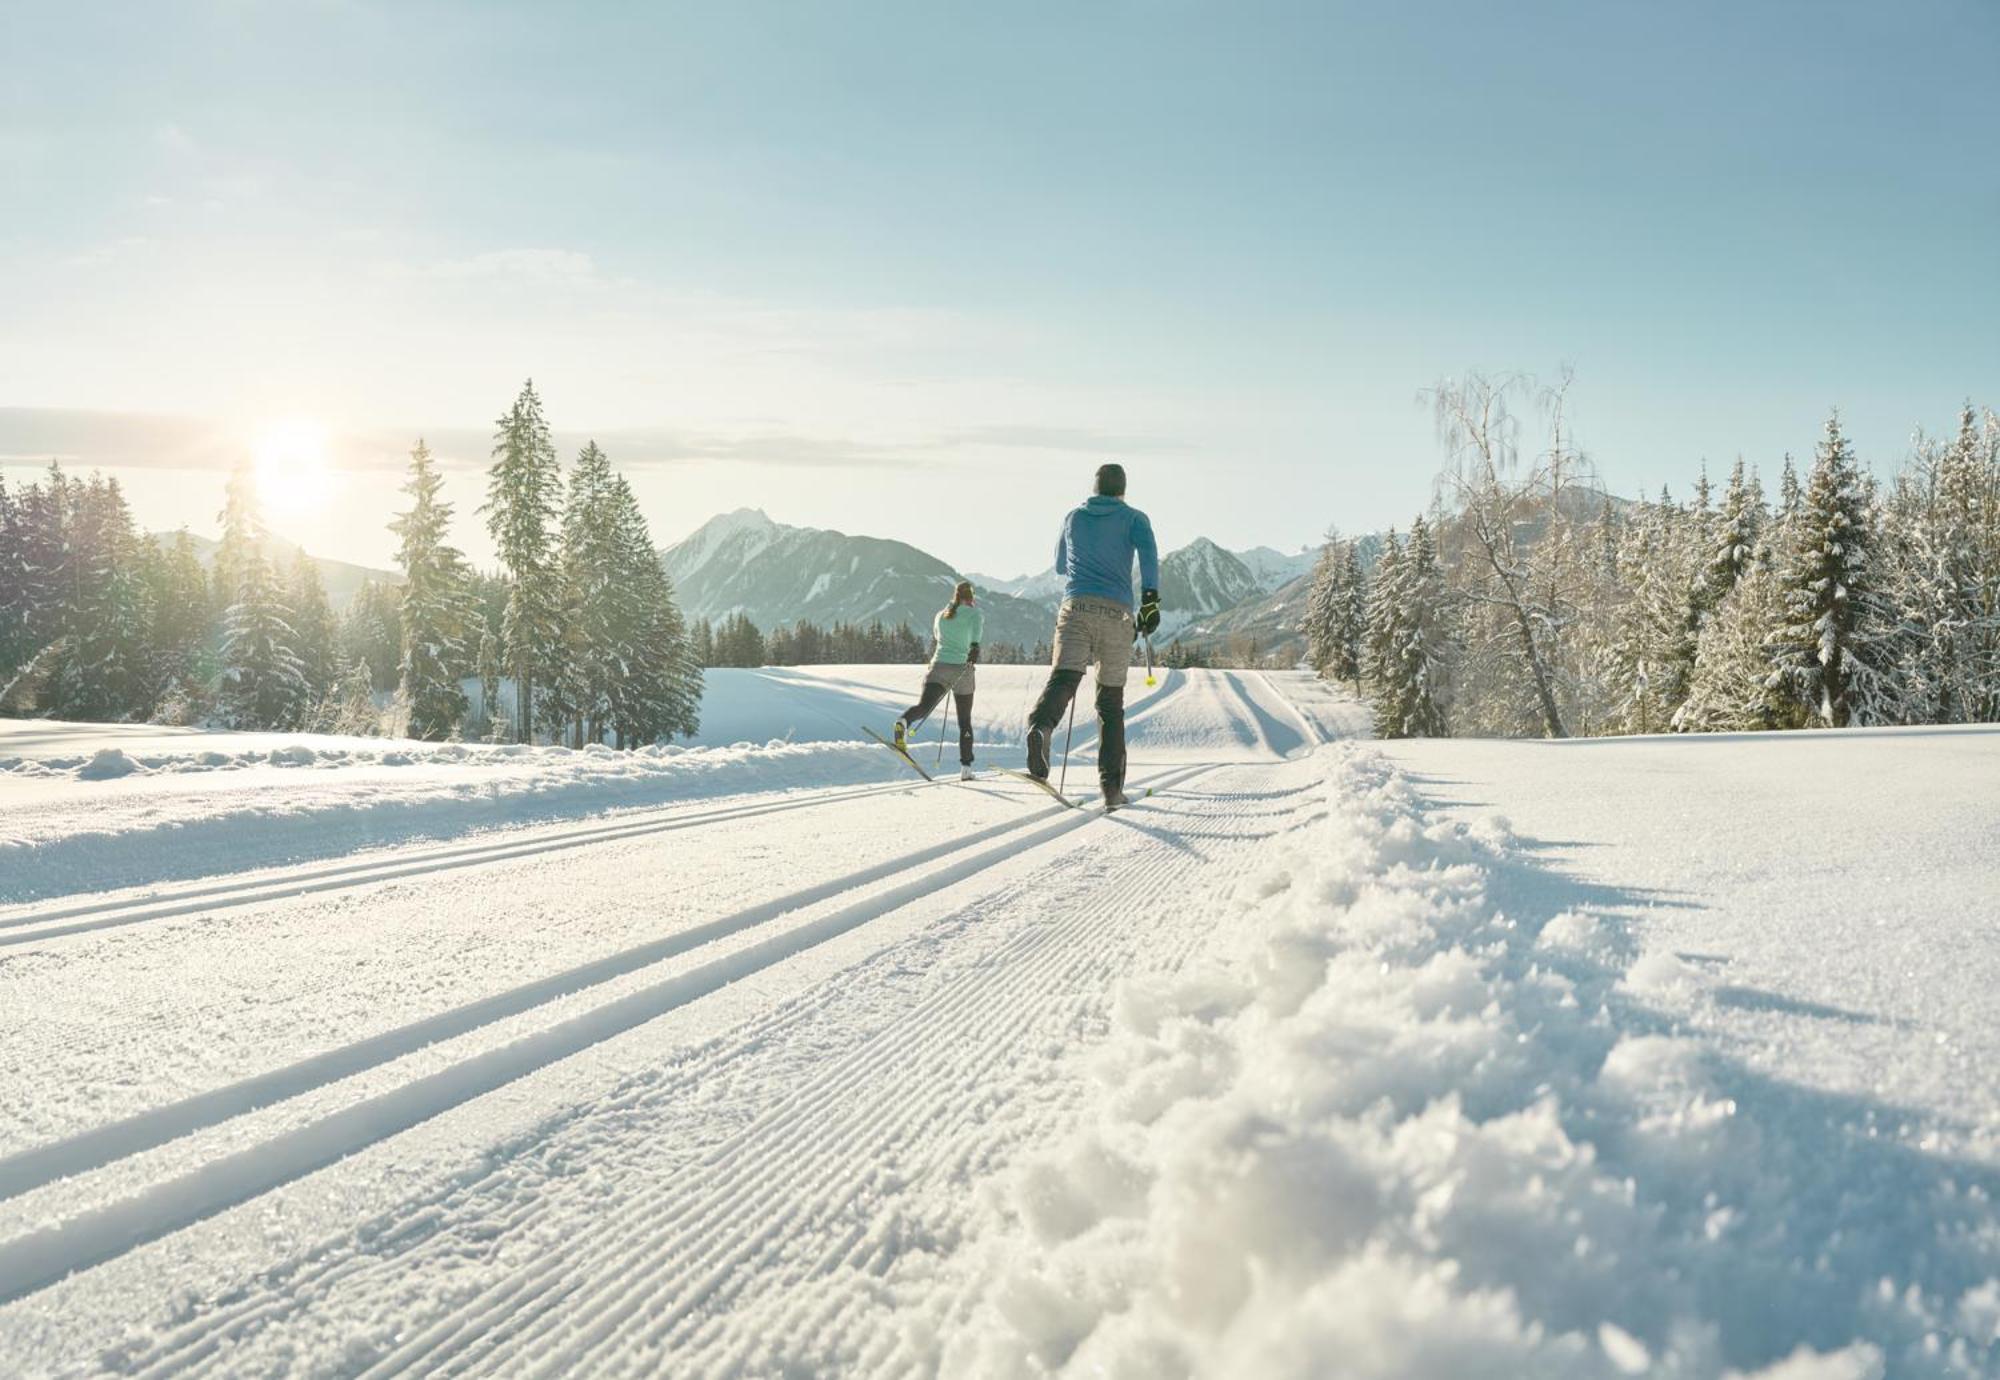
914 269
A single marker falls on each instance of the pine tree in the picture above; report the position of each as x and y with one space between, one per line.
1947 581
1322 608
1736 686
349 707
314 634
14 648
1383 596
489 680
263 685
1350 624
599 617
436 613
1410 694
1830 647
102 608
179 637
1736 534
523 497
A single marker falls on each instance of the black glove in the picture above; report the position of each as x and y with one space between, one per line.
972 655
1149 611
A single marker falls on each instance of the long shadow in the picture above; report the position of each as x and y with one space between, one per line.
1779 1221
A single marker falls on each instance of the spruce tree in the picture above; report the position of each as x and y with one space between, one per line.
1322 608
315 634
178 639
1736 534
489 681
1410 696
523 498
1830 646
436 613
263 685
599 619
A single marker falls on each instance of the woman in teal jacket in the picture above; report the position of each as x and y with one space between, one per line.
955 635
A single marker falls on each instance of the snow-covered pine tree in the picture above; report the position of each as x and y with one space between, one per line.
1737 530
1350 620
1383 593
263 685
1735 686
599 615
1410 697
178 638
523 498
1833 647
437 611
661 695
1321 615
242 531
101 608
314 632
14 648
489 683
1946 584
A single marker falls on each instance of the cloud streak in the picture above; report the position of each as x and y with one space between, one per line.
125 440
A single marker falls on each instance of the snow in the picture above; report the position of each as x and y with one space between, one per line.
1621 1057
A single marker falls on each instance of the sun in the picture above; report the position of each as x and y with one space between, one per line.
293 476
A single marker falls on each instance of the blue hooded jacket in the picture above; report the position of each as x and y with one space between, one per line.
1094 553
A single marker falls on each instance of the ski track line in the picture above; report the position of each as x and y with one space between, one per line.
86 1150
928 1149
174 1354
40 1258
914 1129
979 1001
104 915
1315 737
115 1033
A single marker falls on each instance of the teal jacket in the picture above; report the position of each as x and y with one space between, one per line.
955 636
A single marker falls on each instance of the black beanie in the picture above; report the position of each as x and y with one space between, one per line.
1111 481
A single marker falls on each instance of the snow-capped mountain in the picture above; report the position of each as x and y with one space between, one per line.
743 562
1202 579
1273 568
1192 579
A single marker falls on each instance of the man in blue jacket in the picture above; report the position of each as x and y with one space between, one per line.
1094 555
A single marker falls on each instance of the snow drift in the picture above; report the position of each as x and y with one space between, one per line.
1388 1130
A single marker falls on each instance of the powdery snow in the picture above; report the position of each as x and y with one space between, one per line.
1313 1063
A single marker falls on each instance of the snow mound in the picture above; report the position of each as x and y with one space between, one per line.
107 764
1385 1130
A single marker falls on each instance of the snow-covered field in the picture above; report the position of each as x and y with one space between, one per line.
764 1057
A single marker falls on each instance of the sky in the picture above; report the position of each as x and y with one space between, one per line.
914 270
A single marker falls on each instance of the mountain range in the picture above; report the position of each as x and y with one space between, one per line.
743 562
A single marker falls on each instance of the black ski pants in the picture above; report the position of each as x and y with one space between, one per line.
928 700
1049 710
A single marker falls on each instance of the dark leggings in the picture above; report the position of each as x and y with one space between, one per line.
921 710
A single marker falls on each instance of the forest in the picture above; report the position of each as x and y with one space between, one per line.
1528 602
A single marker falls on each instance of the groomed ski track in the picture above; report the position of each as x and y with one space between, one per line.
693 1091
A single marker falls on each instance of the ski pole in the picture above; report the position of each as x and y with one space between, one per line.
1063 780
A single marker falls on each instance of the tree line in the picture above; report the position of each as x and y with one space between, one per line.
736 641
1527 602
100 622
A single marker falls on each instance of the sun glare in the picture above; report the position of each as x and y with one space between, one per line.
293 476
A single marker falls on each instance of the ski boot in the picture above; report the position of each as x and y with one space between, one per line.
1038 753
967 774
900 736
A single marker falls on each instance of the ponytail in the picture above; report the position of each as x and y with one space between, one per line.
962 594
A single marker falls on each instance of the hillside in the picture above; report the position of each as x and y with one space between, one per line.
343 580
743 562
